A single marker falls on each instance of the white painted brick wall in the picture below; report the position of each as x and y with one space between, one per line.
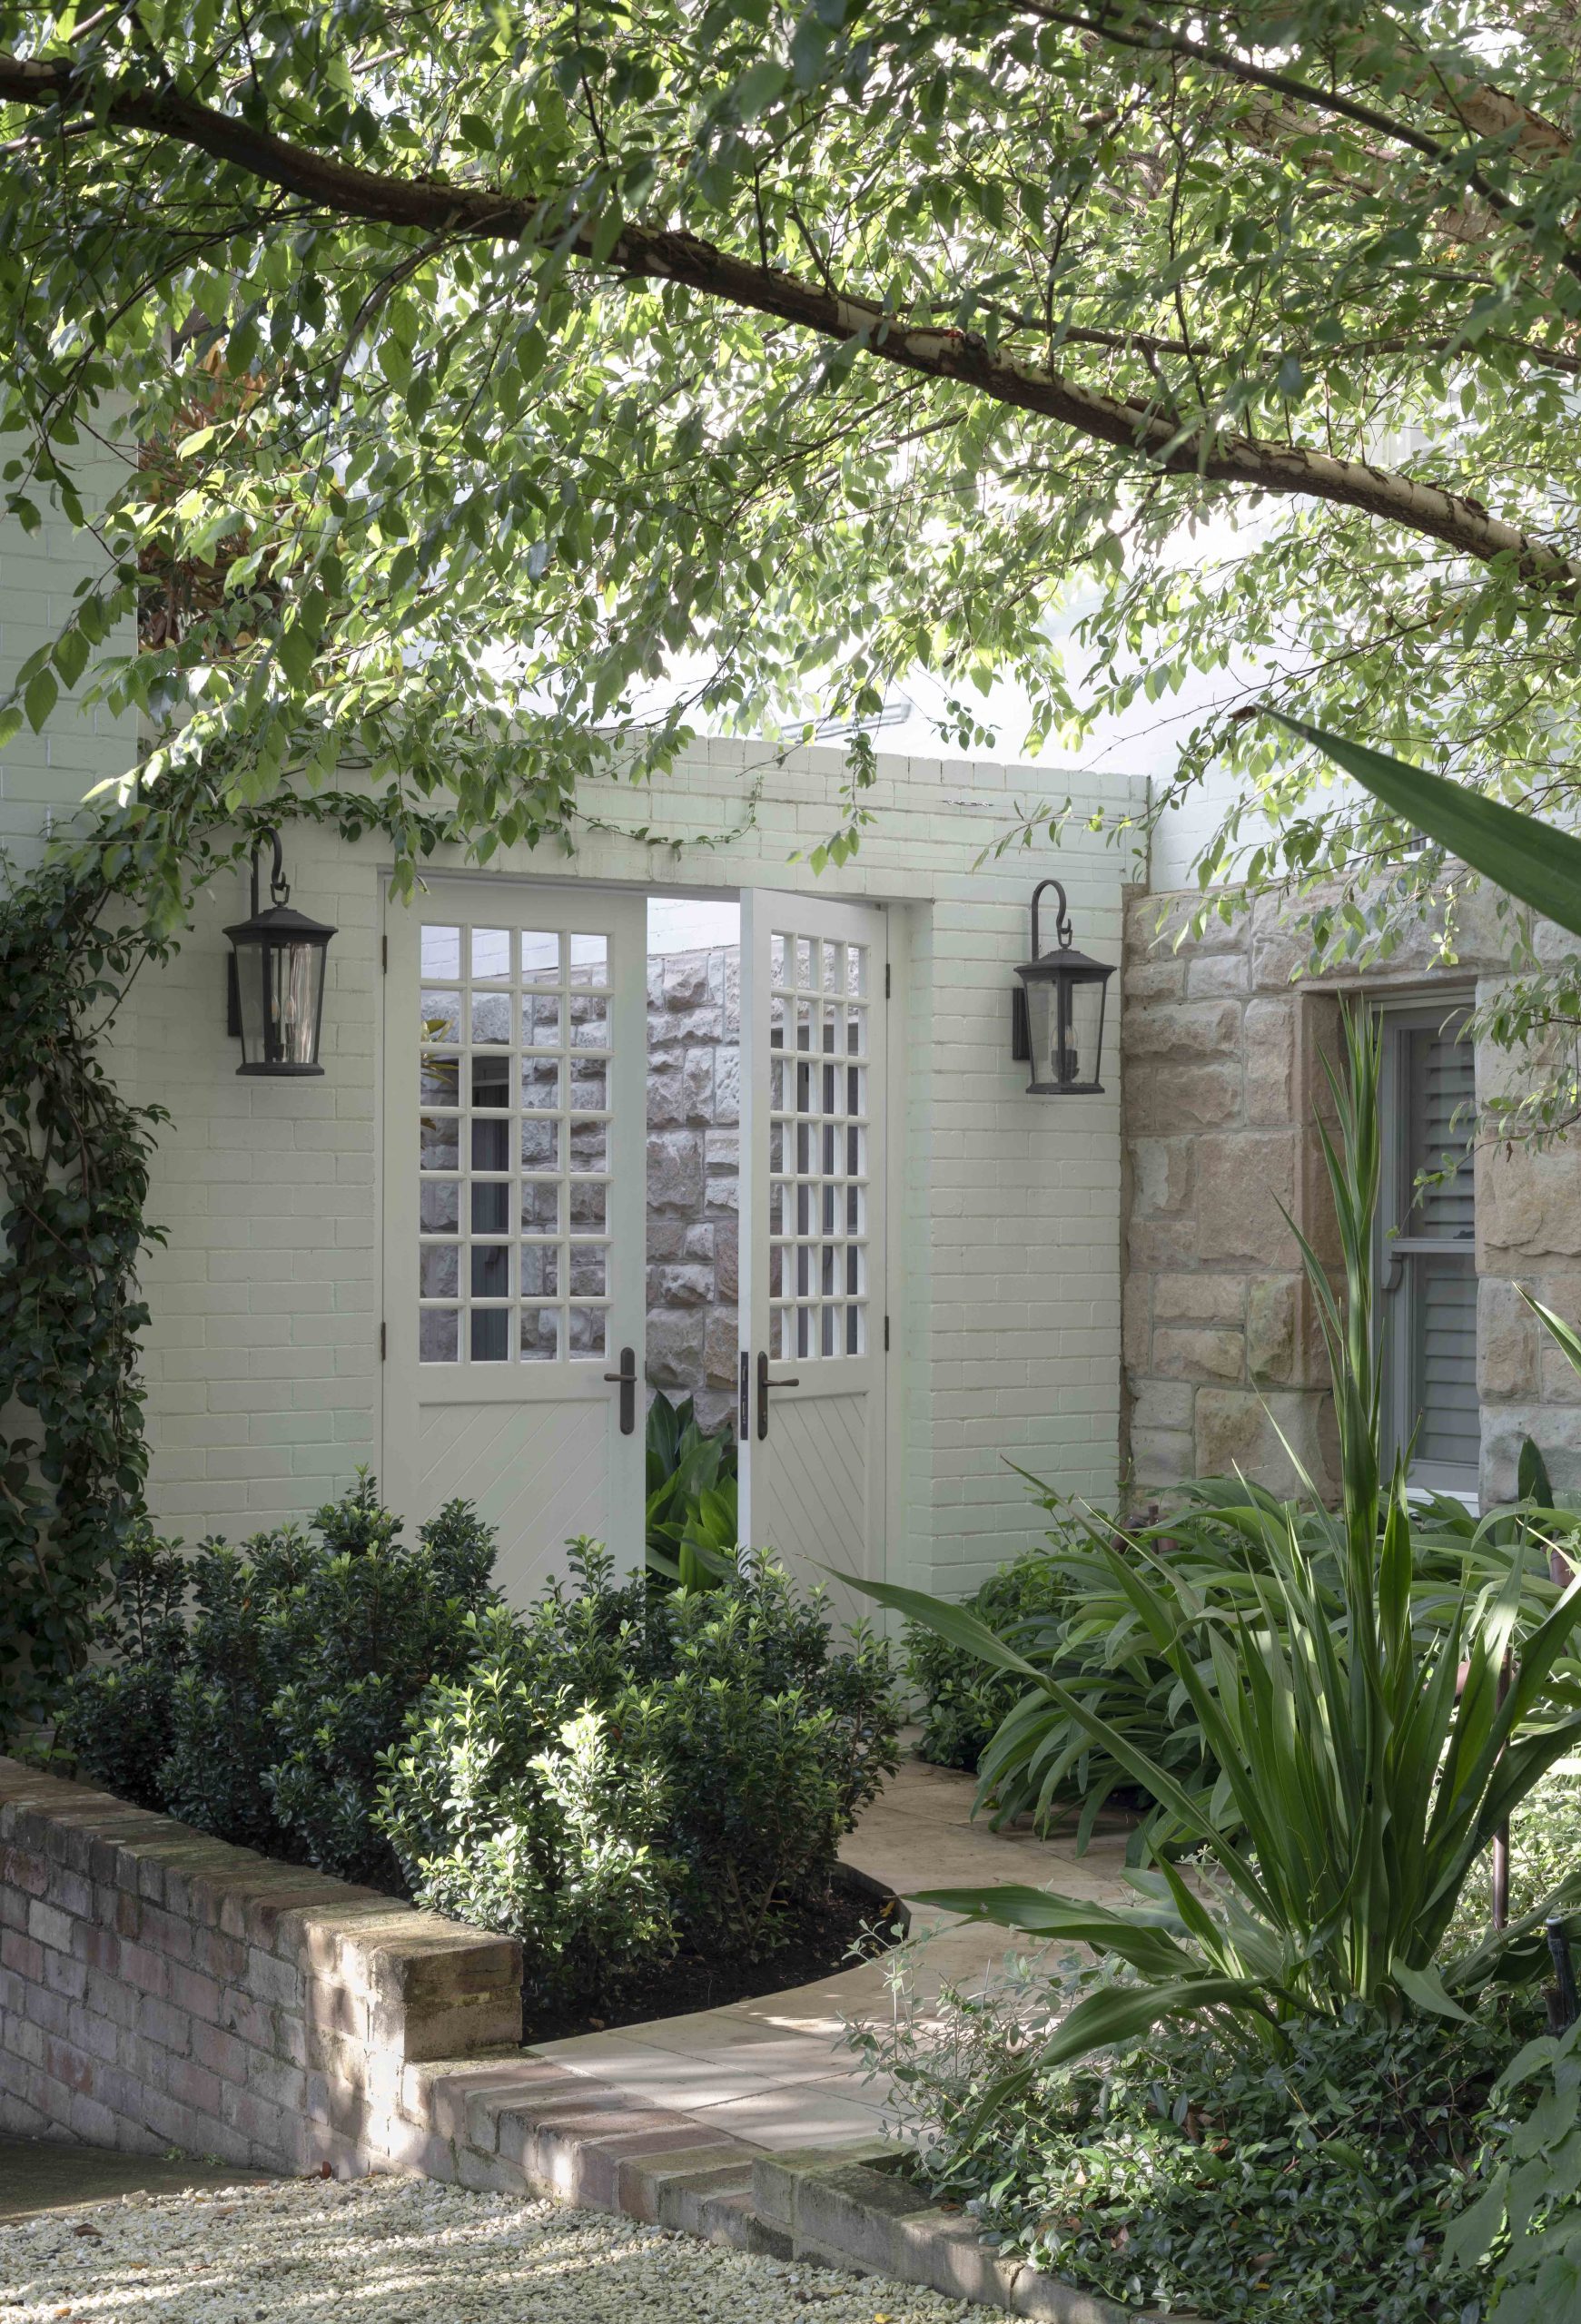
51 773
263 1372
262 1361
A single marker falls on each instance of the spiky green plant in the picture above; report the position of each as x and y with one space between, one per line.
1366 1759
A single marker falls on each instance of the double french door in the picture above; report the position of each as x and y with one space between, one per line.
515 1106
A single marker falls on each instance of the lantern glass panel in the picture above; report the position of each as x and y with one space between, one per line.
279 987
1085 1027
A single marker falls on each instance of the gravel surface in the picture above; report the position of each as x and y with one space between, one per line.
408 2251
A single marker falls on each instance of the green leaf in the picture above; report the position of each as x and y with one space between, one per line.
1426 1987
1467 2239
759 86
43 694
952 1622
1536 862
1122 2012
1136 1937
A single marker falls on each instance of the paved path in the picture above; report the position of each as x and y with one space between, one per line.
775 2072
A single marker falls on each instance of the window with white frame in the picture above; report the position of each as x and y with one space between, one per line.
1428 1252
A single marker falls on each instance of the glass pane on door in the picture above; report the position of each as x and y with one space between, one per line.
818 1147
514 1144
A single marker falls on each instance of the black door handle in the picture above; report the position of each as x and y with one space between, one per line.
763 1385
627 1376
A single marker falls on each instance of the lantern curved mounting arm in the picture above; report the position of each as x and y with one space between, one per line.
279 886
1064 933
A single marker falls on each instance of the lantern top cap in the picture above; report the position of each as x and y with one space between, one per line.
280 923
1065 961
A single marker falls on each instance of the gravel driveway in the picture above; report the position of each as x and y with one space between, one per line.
407 2251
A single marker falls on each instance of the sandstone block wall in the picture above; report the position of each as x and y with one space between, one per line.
159 1988
1224 1039
694 1114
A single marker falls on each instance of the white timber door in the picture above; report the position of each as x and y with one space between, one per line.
515 1071
811 1419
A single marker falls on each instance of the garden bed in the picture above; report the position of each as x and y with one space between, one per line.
860 1920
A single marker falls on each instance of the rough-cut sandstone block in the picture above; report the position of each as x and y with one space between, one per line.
1217 976
1166 1100
1162 1457
1270 1061
1182 1354
1198 1298
1160 1175
1154 980
1239 1429
1506 1341
1271 1312
1162 1405
1528 1207
1183 1034
1241 1182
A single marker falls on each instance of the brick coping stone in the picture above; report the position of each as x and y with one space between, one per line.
159 1987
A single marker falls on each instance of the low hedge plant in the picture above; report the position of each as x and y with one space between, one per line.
623 1769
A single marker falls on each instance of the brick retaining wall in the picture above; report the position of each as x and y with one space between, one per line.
159 1988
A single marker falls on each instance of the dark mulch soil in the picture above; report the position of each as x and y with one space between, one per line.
815 1946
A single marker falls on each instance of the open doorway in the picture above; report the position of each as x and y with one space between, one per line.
694 1117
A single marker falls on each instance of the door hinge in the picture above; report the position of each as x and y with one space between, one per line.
887 1335
384 952
384 1339
886 980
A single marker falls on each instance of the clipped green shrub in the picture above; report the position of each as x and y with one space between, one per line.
725 1745
263 1718
1522 2236
117 1716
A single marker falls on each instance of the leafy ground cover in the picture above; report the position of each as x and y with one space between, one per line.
1203 2176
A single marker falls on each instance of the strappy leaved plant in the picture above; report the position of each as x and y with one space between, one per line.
1365 1760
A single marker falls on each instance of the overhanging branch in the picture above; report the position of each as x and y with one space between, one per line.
436 207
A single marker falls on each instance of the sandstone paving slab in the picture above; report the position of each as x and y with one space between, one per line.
766 2069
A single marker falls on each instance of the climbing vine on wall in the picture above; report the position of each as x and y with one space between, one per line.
74 1172
75 1165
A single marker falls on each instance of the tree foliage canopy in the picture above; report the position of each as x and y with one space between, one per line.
501 389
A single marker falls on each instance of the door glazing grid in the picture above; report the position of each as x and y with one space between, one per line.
514 1145
818 1138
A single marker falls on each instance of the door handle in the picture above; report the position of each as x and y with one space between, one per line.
627 1376
763 1385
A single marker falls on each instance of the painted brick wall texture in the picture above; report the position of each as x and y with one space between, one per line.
262 1361
46 775
159 1989
694 1114
1222 1074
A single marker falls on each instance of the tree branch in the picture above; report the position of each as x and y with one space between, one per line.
659 255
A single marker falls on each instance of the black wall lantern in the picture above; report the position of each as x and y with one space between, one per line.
276 998
1057 1012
